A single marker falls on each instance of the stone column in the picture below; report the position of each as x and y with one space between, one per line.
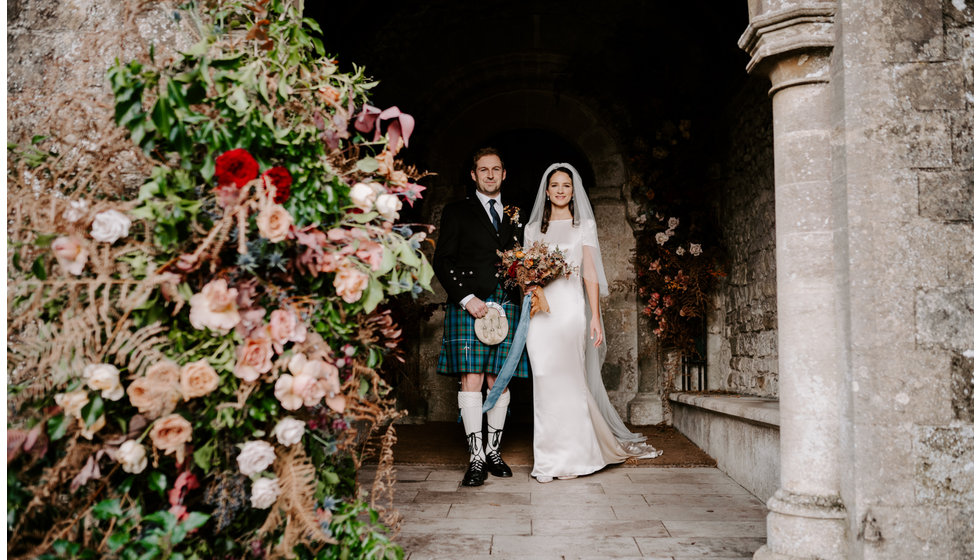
791 43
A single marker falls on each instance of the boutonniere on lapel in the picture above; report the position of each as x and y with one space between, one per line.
513 214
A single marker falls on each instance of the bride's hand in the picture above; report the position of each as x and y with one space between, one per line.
595 328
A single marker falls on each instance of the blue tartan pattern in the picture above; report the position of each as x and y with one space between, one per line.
462 351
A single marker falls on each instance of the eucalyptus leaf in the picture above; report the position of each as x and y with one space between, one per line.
367 165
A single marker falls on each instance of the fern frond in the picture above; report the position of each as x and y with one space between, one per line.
295 509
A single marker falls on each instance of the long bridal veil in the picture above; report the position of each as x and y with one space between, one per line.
594 357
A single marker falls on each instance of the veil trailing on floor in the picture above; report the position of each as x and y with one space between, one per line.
594 357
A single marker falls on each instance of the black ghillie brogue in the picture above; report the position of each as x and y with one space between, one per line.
475 474
497 466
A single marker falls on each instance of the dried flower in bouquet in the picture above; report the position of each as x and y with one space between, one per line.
531 268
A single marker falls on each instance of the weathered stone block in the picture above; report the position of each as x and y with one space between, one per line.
933 86
912 30
961 130
958 12
946 195
925 137
945 317
961 372
944 464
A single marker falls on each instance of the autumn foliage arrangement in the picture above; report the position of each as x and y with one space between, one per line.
192 363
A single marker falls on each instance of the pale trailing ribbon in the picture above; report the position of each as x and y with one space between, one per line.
513 355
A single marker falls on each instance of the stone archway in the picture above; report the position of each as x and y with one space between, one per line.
581 129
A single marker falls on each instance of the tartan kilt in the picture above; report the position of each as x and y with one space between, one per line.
462 352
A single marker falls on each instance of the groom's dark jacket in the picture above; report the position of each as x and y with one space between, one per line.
466 257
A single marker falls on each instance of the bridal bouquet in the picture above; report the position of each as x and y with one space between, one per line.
531 268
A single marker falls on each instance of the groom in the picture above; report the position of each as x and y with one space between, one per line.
466 260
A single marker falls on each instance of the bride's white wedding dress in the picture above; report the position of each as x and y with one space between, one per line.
571 437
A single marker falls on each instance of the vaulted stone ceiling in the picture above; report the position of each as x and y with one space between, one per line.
631 64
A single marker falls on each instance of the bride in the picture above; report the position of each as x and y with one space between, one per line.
576 429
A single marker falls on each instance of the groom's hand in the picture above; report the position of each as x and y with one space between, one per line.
476 307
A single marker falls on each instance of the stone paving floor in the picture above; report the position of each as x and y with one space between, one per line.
625 512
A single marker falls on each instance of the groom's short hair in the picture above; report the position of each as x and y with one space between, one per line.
488 151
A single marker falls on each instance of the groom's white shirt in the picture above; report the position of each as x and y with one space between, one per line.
485 202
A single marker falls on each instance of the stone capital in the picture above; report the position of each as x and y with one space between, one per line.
792 28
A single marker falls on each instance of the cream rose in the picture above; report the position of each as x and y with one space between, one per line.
105 378
672 223
255 457
388 206
88 432
350 283
72 402
110 226
661 238
71 254
285 327
157 392
214 307
289 431
171 434
132 457
363 196
274 223
695 249
198 379
254 358
265 492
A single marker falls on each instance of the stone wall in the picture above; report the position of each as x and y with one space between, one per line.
745 360
58 52
902 77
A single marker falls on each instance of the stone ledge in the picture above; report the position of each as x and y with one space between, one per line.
757 409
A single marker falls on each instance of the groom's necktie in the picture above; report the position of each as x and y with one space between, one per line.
494 215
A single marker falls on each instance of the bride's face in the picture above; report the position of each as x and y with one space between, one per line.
560 190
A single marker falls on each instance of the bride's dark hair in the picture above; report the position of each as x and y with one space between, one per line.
546 218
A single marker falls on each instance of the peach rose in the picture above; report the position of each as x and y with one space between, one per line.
285 327
214 307
308 382
171 434
254 358
71 254
274 223
198 379
157 392
350 283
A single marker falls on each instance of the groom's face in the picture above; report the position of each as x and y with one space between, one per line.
488 175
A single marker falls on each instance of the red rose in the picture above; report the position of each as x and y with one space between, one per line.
235 166
512 271
281 179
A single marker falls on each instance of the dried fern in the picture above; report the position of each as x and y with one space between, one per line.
293 512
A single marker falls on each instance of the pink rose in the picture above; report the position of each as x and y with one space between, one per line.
254 358
214 308
274 223
71 254
308 382
285 327
350 283
371 253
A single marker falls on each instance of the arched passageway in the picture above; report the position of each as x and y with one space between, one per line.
544 81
